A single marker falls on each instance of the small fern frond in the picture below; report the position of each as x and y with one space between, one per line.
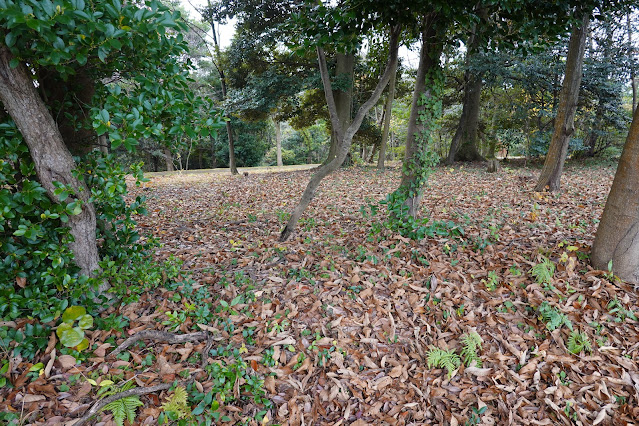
443 359
177 403
578 342
124 408
552 317
471 345
544 271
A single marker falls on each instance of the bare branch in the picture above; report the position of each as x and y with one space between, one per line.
161 336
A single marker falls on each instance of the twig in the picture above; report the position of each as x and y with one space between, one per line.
95 409
161 336
205 351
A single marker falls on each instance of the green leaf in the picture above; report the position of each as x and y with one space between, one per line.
10 39
13 63
72 337
85 322
73 313
37 367
34 24
65 326
83 345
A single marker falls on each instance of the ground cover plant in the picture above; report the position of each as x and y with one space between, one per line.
343 321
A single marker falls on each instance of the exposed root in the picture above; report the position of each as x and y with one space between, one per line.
161 336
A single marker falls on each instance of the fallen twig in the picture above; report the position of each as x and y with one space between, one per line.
161 336
95 409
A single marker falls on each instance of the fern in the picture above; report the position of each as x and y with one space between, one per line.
578 342
471 345
552 317
443 359
177 404
544 271
123 408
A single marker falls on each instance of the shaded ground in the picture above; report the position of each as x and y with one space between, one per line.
339 321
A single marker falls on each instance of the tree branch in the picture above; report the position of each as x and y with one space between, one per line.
328 92
162 336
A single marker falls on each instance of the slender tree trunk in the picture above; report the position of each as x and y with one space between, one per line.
417 138
617 236
631 58
278 142
388 109
53 161
168 158
464 144
565 119
345 69
344 137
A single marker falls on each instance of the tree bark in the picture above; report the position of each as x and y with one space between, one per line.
344 67
565 118
464 144
416 144
278 142
345 134
388 108
168 158
53 161
617 236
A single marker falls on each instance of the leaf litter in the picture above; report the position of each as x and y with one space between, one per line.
338 321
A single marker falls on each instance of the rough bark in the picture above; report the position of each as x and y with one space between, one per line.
278 142
464 144
565 119
617 236
53 161
344 68
429 58
388 108
345 136
168 159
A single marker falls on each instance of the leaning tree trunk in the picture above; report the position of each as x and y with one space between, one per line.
565 119
53 161
278 142
388 109
421 118
617 236
345 136
345 69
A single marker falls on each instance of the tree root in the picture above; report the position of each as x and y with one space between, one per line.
95 409
161 336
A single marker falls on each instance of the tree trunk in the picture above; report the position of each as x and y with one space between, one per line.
344 68
617 236
344 137
388 108
168 158
278 142
464 144
565 119
53 161
416 139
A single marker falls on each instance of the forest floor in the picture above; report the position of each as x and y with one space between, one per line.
339 321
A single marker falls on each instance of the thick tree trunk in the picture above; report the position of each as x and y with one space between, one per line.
416 141
345 69
168 159
344 137
464 144
278 142
617 236
565 118
53 161
388 109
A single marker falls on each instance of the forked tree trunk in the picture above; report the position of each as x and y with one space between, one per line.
617 236
464 144
388 109
345 69
278 142
53 161
416 140
565 119
344 138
